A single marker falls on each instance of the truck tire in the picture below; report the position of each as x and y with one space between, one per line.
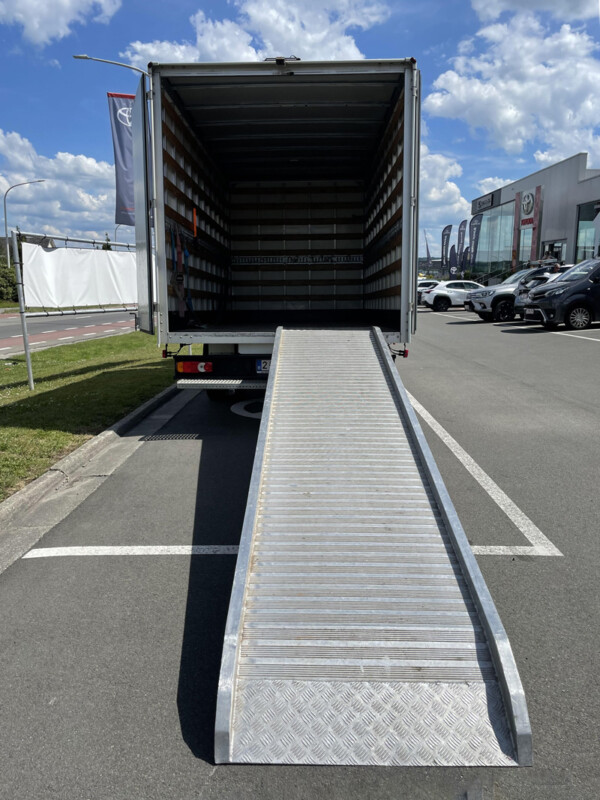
504 310
441 304
578 317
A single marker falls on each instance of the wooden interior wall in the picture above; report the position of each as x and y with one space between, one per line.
196 212
297 246
383 224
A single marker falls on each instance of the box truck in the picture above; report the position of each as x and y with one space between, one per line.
285 193
284 206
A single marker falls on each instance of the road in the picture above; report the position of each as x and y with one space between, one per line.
49 331
110 659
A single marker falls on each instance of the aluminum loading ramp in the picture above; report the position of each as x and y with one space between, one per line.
360 630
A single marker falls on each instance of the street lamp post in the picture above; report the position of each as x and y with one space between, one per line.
19 277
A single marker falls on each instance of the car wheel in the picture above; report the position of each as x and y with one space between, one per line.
578 318
486 316
504 311
521 316
441 304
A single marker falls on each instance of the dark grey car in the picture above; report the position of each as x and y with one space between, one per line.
573 299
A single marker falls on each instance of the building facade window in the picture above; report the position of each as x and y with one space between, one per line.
585 232
525 238
494 253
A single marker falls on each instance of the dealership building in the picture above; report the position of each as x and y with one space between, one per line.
553 211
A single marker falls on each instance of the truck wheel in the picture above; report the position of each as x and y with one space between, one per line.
578 318
504 311
441 304
486 316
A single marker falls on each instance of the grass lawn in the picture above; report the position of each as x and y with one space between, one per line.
80 390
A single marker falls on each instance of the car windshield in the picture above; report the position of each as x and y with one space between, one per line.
580 271
516 277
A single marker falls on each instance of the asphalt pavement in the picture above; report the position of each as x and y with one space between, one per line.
109 662
45 331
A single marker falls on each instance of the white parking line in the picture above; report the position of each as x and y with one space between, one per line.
90 334
575 336
451 314
5 348
541 545
16 336
135 550
64 338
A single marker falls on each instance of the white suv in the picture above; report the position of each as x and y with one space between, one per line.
448 293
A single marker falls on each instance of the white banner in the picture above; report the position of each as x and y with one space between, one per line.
70 276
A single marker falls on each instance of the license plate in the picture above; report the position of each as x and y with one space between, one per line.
530 312
263 365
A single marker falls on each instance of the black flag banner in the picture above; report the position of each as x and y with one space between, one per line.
120 107
474 229
462 228
445 242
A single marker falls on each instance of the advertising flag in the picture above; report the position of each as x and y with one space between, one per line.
120 107
462 229
445 242
464 262
474 229
453 261
428 253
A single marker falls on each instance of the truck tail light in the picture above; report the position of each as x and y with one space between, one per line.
194 366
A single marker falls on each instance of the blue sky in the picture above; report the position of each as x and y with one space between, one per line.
506 91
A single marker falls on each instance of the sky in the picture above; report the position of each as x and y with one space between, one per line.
509 87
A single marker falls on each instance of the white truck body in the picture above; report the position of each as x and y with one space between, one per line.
285 193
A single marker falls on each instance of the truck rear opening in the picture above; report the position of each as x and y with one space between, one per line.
286 194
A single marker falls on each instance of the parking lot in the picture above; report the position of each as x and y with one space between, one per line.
110 658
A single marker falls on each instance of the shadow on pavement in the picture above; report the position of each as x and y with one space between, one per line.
228 445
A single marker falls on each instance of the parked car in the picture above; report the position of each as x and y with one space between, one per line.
573 299
425 283
496 302
448 293
535 277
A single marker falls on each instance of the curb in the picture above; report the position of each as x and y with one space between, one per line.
40 487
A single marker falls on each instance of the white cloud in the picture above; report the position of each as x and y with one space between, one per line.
46 20
560 9
488 185
76 199
441 201
310 29
527 85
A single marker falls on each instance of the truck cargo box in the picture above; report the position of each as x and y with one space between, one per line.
285 194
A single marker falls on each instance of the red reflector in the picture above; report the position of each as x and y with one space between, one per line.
164 353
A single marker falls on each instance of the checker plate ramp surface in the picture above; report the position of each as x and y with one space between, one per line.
353 636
